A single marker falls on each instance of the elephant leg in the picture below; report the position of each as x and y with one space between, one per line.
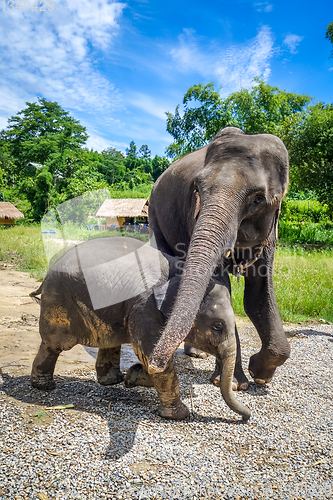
167 387
261 307
193 352
108 366
43 368
137 375
240 381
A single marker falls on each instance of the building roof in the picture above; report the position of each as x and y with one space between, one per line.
37 165
8 211
127 207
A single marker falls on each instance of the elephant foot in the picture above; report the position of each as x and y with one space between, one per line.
239 382
137 375
113 377
263 364
43 383
193 352
177 411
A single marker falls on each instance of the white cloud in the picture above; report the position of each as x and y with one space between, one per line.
292 41
264 7
99 143
148 104
234 66
50 54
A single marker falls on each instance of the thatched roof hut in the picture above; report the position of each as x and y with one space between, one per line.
122 211
8 213
127 207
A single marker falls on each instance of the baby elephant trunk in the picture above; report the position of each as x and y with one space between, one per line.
228 357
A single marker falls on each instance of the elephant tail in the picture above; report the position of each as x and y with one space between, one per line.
35 293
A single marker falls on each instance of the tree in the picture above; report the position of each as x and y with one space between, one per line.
85 179
309 140
7 164
40 130
144 151
198 123
159 164
260 109
113 166
131 152
37 192
329 34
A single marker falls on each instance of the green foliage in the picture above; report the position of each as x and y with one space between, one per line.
303 284
87 178
329 34
131 152
261 109
307 130
43 162
144 151
309 140
112 166
306 194
303 211
320 233
305 221
140 191
159 165
40 130
199 122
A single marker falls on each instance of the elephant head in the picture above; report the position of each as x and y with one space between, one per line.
235 188
213 331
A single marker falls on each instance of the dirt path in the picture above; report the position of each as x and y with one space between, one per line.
19 337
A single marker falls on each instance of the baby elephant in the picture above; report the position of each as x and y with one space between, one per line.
110 291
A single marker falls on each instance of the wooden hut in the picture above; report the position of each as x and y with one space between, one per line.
8 214
123 211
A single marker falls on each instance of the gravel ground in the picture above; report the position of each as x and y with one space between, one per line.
112 444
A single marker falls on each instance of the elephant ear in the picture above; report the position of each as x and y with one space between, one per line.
165 295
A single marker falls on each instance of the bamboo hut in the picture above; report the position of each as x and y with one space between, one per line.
8 214
123 211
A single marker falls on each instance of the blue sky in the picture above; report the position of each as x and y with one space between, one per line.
118 66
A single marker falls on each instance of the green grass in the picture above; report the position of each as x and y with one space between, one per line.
23 247
303 283
320 233
303 277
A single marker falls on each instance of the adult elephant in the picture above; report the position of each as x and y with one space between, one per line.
220 206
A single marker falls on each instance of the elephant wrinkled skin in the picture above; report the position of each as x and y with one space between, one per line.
217 208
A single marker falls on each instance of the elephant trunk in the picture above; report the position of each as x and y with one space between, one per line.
228 356
215 233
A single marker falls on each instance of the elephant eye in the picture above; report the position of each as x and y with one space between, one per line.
217 327
257 202
258 199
